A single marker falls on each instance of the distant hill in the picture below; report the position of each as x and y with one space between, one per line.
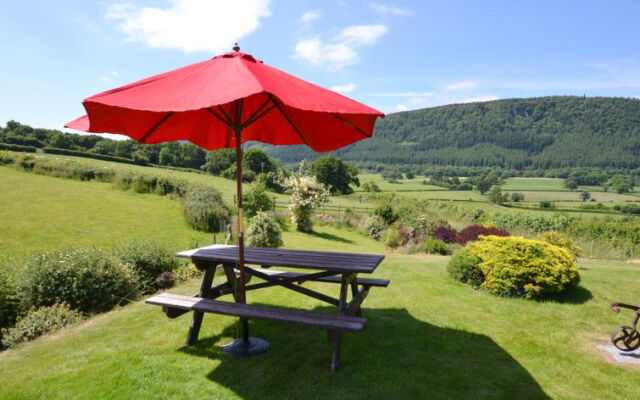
539 133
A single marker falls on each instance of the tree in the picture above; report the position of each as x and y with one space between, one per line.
482 184
335 174
219 160
584 196
570 184
622 183
516 197
166 157
257 160
370 187
496 196
257 200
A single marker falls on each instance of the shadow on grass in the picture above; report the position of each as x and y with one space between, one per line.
396 356
330 236
575 295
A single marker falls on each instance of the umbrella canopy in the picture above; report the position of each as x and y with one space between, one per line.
204 102
226 101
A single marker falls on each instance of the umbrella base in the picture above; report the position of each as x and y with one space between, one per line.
239 348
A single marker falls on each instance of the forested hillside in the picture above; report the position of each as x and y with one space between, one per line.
539 133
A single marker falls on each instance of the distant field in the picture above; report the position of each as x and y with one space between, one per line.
565 196
40 212
414 184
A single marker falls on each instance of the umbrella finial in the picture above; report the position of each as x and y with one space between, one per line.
236 48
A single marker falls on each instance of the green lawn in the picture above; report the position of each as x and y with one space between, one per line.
40 212
426 336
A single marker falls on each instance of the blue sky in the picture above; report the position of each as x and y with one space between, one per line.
390 55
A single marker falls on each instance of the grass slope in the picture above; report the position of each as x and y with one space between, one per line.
40 212
426 337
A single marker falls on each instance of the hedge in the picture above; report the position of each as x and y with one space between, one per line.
18 147
76 153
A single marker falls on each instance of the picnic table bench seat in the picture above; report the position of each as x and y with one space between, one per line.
268 313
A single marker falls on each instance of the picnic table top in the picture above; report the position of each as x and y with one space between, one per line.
323 260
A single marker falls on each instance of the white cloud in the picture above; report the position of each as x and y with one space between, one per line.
401 107
461 85
478 99
346 88
382 9
362 35
310 16
190 25
340 52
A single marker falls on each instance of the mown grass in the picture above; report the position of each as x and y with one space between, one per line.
40 213
426 336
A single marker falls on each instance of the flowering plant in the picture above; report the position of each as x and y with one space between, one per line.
306 195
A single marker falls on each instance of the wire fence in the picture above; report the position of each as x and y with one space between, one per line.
331 208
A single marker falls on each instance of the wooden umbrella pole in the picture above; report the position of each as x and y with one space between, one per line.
241 280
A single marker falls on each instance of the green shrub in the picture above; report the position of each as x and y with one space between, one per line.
149 260
39 322
257 200
387 213
10 305
203 209
264 231
463 267
515 266
392 238
186 272
561 240
375 226
89 280
435 246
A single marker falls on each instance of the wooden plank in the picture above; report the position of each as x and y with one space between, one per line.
330 279
269 313
339 262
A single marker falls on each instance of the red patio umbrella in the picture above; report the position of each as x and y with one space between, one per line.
224 102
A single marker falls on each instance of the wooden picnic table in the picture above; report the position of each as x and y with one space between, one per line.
342 269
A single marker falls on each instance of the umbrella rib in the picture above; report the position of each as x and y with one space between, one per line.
155 127
295 128
217 116
265 112
250 120
229 122
351 124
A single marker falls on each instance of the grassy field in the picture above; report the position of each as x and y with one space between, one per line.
40 212
426 337
402 185
601 197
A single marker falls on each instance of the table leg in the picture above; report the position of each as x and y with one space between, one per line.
336 336
205 288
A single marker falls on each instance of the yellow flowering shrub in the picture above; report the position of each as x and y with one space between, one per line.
515 266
